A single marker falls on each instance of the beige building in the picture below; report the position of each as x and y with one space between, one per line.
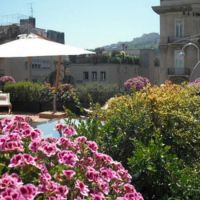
179 39
102 73
108 73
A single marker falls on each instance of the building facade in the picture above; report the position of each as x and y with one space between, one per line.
179 39
82 72
112 74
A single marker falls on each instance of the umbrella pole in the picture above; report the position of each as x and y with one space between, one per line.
58 67
30 68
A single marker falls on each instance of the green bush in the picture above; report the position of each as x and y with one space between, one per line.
156 133
68 98
96 93
28 92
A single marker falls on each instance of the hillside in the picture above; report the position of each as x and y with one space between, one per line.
146 41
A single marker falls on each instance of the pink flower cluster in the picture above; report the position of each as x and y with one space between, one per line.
69 167
196 82
11 188
6 79
137 83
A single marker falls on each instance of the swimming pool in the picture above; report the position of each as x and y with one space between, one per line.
48 128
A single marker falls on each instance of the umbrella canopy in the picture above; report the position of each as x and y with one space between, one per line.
34 46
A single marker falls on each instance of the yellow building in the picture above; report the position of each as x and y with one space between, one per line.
179 39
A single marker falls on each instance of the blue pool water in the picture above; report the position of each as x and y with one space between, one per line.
48 128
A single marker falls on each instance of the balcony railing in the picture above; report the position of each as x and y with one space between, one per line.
171 39
178 71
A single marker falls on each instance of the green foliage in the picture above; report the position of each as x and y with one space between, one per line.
67 97
117 57
26 91
96 93
156 133
116 60
122 58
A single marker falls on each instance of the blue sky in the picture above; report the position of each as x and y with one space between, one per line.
88 23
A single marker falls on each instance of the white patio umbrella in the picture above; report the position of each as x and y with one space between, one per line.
33 45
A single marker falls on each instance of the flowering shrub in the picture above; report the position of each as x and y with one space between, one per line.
69 167
6 79
136 83
155 132
196 82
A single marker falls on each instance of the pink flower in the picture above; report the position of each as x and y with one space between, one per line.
59 127
92 174
13 146
122 198
117 187
103 186
29 191
103 158
82 188
58 191
11 142
80 140
35 134
6 79
45 176
128 188
34 145
108 174
87 161
69 174
9 180
16 160
137 83
20 160
98 196
66 131
11 194
124 175
53 162
62 191
65 142
69 131
78 198
92 146
21 118
49 149
67 158
134 196
27 132
52 198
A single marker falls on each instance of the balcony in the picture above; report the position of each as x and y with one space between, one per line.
172 39
179 72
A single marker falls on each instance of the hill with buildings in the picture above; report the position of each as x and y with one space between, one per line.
146 41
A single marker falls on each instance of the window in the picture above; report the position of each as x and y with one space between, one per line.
103 76
179 62
36 66
85 76
2 72
179 28
94 76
